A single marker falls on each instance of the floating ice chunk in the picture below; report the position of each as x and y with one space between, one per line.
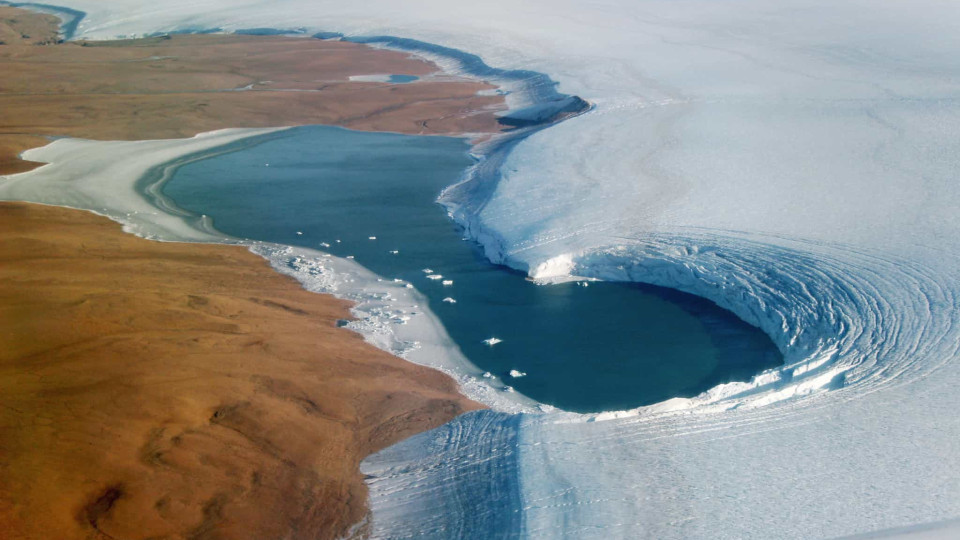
266 164
515 374
299 233
559 266
427 271
394 252
434 277
449 300
409 286
372 238
397 280
324 244
349 256
508 389
338 240
492 341
487 375
447 282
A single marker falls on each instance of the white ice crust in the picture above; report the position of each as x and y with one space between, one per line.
793 161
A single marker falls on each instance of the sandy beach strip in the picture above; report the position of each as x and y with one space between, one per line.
171 390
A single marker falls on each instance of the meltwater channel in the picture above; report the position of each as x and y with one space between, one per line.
582 347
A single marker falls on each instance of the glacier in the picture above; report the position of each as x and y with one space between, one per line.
793 161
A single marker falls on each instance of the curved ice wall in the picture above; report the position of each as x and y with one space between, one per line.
794 161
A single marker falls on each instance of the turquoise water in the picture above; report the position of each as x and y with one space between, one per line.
604 347
402 79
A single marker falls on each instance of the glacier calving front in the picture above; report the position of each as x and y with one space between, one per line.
794 161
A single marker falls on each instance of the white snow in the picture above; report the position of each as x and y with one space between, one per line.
377 77
99 176
560 266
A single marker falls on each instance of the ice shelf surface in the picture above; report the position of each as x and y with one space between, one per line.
795 162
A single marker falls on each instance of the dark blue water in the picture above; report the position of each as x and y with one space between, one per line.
603 347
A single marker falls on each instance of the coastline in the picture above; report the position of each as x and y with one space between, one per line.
742 158
122 179
162 388
147 384
177 86
484 176
94 175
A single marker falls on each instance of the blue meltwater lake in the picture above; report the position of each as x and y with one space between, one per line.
608 346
